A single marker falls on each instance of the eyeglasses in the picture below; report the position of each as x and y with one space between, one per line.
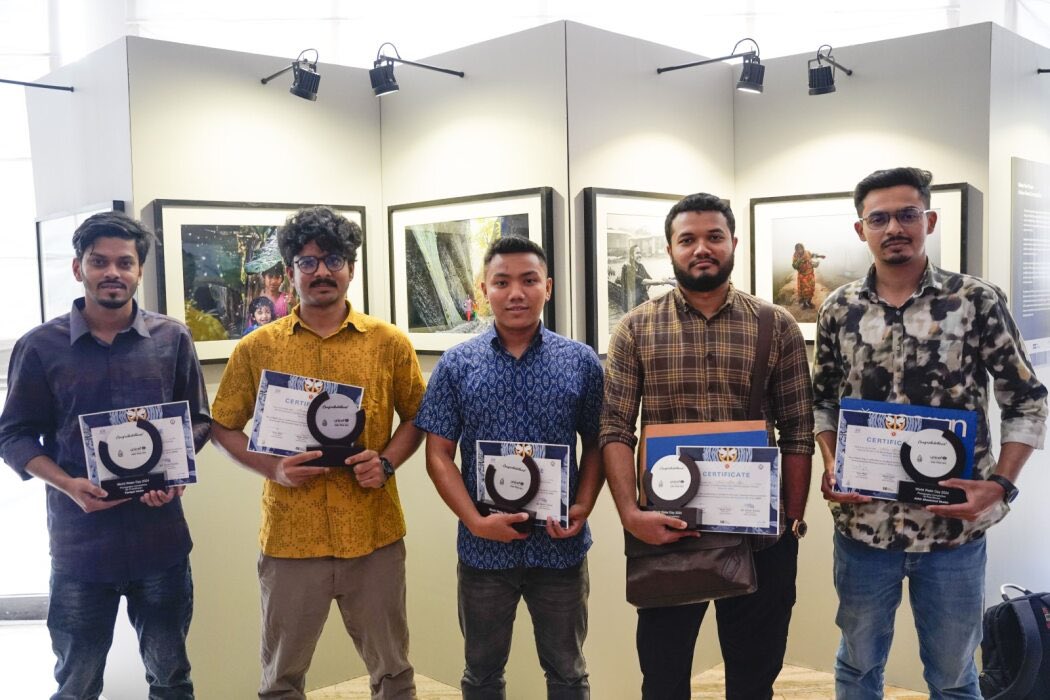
906 217
307 264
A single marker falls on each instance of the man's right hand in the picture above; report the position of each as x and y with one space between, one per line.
498 526
653 527
88 496
290 471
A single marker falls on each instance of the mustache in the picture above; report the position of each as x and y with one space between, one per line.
324 282
893 241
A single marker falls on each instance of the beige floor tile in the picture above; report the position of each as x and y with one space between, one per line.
794 683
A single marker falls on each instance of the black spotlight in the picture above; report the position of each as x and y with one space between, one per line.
752 73
305 81
383 80
305 78
821 76
382 73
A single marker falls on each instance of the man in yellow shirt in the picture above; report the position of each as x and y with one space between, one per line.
329 533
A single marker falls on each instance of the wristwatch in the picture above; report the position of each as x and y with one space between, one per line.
1009 490
388 468
799 529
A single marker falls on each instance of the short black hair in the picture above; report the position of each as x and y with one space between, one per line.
509 245
881 179
111 224
331 232
701 201
259 302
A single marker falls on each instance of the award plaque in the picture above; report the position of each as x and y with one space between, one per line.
670 484
130 452
335 421
929 456
511 483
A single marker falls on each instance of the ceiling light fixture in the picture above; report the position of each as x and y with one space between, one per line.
382 73
822 77
305 78
752 73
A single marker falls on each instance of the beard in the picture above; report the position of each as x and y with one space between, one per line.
707 282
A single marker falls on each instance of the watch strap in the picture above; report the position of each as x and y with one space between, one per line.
1010 491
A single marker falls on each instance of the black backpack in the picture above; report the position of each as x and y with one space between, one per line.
1016 647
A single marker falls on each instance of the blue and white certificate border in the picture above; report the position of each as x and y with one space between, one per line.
536 450
293 381
761 455
915 418
152 413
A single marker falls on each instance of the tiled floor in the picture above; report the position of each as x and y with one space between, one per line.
794 683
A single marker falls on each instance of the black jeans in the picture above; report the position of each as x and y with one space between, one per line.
752 631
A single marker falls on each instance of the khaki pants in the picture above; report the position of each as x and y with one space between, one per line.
297 595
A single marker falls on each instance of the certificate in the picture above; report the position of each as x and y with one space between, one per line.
129 451
739 488
898 452
529 477
287 418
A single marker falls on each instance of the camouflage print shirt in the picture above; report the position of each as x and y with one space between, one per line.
936 350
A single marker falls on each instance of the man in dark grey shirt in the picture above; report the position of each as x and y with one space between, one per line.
106 354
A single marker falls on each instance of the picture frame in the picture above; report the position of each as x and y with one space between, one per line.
618 224
54 251
435 287
823 224
219 249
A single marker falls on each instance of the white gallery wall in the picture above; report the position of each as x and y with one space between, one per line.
562 105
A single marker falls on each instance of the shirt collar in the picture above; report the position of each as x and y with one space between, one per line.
932 278
353 318
684 306
493 339
78 325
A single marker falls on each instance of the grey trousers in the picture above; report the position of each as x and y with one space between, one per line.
297 595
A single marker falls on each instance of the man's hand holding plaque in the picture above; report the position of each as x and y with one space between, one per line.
523 477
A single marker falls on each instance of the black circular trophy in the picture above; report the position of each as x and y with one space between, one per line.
130 452
671 483
335 421
929 456
511 482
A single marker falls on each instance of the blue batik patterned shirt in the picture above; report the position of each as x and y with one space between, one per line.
479 391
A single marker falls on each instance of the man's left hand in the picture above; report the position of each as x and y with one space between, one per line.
981 497
368 470
156 499
577 517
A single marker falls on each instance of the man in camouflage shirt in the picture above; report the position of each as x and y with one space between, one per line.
911 333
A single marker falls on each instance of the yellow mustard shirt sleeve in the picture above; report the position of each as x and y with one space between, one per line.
408 379
235 400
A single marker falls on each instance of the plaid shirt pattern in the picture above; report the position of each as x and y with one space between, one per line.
681 367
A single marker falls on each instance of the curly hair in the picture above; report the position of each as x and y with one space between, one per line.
331 232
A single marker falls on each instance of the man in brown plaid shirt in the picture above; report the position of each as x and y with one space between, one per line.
689 356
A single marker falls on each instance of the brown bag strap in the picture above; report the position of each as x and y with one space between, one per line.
765 341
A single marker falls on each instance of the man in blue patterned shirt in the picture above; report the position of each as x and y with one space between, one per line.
912 333
517 382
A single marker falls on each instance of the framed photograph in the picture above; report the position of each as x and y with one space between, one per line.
804 247
54 250
436 251
626 255
220 272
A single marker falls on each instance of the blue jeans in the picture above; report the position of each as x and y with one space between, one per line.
557 602
946 589
81 616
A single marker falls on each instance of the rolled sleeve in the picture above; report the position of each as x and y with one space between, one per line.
623 389
588 420
408 387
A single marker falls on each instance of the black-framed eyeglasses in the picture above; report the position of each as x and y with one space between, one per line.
906 217
307 264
